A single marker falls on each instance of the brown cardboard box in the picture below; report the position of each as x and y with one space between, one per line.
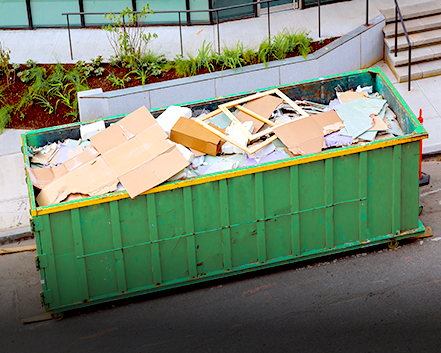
190 134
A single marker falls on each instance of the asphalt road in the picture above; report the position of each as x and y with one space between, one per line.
372 300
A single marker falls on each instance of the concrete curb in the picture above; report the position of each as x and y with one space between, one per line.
15 234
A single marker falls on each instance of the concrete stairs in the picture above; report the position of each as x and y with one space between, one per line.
423 25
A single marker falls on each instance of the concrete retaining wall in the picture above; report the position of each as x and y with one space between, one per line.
356 50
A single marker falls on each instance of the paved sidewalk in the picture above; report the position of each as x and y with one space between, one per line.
51 45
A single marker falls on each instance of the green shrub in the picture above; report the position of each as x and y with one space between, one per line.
5 67
231 58
126 35
185 67
5 116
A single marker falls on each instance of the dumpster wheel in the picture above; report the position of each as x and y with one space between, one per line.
57 316
393 244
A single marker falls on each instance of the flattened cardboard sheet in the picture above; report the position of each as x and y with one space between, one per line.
301 136
41 177
137 151
91 178
329 121
349 96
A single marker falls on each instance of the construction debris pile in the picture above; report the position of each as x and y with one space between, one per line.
140 152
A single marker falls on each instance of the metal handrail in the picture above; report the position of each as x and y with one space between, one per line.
398 12
179 12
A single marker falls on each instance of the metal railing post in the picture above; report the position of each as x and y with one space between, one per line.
29 12
81 6
367 13
70 40
410 62
218 35
180 34
396 28
319 21
269 23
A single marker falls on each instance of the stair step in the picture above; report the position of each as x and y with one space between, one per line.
418 55
412 11
416 40
413 26
418 71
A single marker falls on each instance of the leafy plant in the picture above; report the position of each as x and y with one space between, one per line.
5 116
30 63
25 101
88 70
205 57
44 103
115 81
125 34
97 61
283 43
232 57
250 57
303 42
5 68
77 80
185 67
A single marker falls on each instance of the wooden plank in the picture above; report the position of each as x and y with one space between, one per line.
236 122
291 103
248 134
255 115
254 149
248 98
209 115
222 135
4 251
233 142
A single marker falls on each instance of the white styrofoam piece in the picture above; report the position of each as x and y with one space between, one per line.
170 117
89 130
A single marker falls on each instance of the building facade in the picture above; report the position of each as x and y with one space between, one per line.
49 13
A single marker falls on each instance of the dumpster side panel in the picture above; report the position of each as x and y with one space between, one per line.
203 231
207 251
410 185
379 191
242 212
346 215
277 201
135 232
65 260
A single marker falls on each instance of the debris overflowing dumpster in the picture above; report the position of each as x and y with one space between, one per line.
131 204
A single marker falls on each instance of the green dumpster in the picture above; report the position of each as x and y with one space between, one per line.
110 247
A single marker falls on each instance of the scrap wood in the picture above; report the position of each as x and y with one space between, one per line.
209 115
4 251
255 115
37 318
427 233
248 134
226 106
233 142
